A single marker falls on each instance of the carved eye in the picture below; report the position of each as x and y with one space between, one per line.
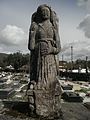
45 11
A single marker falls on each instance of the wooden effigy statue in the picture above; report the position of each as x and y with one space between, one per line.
44 90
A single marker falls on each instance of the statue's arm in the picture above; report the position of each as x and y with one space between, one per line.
32 34
57 45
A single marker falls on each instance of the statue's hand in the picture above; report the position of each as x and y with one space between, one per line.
44 48
44 52
53 50
47 49
50 48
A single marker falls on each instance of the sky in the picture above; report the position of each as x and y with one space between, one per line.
74 25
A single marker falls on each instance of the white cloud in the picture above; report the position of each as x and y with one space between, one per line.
85 26
12 35
12 39
85 4
81 49
79 38
88 6
82 2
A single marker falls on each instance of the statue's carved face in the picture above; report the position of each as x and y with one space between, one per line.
45 13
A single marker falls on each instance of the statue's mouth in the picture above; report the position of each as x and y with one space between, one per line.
45 16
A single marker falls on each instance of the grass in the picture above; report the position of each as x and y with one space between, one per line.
84 90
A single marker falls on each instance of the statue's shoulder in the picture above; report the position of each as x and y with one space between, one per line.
34 26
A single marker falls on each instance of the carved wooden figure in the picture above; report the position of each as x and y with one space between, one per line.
44 90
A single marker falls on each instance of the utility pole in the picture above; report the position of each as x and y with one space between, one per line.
71 58
62 62
86 64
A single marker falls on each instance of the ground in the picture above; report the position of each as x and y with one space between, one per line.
71 111
75 111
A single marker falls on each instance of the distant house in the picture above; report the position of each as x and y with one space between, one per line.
83 70
62 65
24 68
75 71
10 67
0 68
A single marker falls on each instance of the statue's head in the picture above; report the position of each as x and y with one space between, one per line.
44 11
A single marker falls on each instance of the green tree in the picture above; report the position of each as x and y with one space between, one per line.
17 60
